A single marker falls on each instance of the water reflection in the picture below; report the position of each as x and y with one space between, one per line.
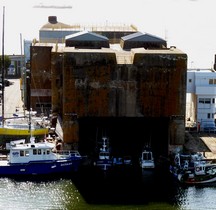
197 197
20 194
118 191
126 187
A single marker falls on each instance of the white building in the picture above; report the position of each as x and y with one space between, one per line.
201 94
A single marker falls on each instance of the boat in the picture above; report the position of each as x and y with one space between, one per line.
45 157
147 159
202 173
16 125
122 161
37 158
17 128
193 169
104 161
21 125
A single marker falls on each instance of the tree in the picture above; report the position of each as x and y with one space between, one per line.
7 62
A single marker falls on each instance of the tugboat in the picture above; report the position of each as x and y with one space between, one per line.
104 161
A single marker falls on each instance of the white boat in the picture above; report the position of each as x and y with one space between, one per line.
15 127
104 161
28 157
147 160
193 169
38 158
202 173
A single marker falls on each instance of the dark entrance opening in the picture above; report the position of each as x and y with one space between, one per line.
127 135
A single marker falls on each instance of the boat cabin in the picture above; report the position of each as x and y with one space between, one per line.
24 153
146 155
104 150
200 169
104 155
147 159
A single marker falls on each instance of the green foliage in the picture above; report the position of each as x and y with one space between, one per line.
7 61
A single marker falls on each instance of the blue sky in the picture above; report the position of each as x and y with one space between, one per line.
190 25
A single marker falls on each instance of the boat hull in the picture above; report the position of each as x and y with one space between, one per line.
197 179
23 132
104 164
193 169
39 168
147 165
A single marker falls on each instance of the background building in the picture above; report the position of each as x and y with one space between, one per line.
16 66
201 94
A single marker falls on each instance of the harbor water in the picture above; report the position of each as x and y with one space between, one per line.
92 193
91 190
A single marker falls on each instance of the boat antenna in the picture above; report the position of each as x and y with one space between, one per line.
3 67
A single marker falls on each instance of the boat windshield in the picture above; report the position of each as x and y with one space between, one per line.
104 153
147 156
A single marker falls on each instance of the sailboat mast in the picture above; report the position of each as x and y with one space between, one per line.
30 118
3 67
22 71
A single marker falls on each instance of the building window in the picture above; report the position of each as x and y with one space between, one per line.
204 103
213 100
190 80
212 81
208 115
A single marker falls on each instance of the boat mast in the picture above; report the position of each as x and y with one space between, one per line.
23 70
30 118
3 67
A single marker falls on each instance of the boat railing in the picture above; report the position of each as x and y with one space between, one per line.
67 153
3 157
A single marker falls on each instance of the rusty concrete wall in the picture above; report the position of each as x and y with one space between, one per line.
57 83
176 130
161 88
40 83
161 84
95 86
90 83
85 88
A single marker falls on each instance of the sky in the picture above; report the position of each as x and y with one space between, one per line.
190 25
